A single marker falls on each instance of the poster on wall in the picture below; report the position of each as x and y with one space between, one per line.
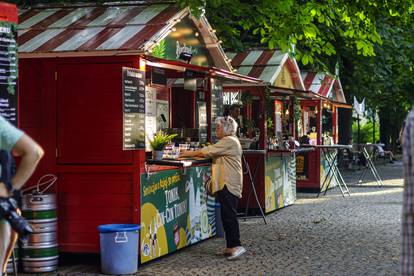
201 117
8 72
162 115
175 211
278 115
217 107
133 107
150 115
302 161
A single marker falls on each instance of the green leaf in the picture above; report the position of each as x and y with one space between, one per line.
309 32
305 59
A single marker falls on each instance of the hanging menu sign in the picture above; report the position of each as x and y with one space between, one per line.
8 72
133 103
216 106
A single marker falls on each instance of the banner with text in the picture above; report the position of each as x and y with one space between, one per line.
8 72
175 211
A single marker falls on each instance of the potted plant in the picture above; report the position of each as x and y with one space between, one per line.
158 143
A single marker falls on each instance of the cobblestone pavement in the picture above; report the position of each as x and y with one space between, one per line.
330 235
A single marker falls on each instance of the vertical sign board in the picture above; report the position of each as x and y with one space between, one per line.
8 71
150 115
217 107
133 99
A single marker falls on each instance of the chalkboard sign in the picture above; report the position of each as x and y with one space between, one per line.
8 72
217 107
133 99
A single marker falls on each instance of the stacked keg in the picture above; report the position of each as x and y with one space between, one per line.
39 252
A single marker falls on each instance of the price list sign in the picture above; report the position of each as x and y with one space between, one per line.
133 88
8 72
217 107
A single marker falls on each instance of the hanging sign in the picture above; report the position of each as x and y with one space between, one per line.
8 72
158 76
133 104
190 81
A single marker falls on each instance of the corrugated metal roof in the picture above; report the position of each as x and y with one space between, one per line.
324 85
100 28
265 65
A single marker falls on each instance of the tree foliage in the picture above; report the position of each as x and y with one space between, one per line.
371 41
316 27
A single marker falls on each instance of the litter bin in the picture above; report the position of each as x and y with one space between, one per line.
219 223
119 248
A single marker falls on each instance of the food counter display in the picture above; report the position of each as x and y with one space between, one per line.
274 175
175 208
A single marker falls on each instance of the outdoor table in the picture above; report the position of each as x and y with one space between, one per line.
371 165
333 170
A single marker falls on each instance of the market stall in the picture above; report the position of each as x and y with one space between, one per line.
319 118
96 82
268 123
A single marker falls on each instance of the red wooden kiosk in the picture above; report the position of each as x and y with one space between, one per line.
272 111
72 61
320 124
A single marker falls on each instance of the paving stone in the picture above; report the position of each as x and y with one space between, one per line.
329 235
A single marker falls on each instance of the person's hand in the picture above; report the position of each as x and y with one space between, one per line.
185 153
4 192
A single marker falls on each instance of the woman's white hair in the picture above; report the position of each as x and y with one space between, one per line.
228 124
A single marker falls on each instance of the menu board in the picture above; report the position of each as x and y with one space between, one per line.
217 107
133 100
8 72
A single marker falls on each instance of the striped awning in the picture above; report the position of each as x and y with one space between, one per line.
265 65
324 85
93 28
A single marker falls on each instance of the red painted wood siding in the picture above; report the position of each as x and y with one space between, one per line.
79 113
89 111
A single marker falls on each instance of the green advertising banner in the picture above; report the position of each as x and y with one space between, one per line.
175 211
332 177
184 38
280 182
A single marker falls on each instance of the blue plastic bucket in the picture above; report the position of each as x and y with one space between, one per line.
119 248
219 223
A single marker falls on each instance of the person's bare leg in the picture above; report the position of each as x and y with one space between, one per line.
5 237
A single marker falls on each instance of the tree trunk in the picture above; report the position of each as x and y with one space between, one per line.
385 131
